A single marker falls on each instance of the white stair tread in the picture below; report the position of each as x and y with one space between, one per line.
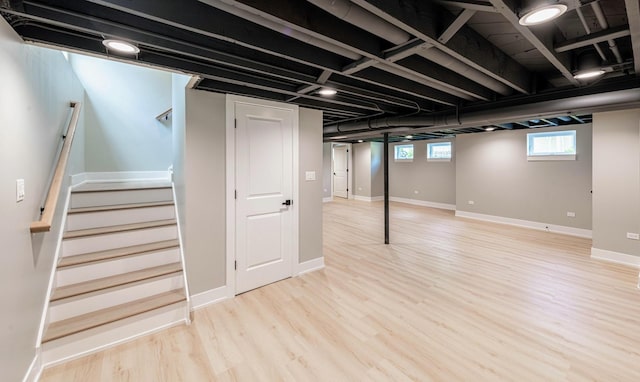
87 321
117 228
113 281
121 186
86 258
119 207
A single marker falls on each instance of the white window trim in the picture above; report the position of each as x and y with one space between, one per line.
534 158
402 160
438 159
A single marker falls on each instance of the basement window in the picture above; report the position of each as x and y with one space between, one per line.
403 153
439 152
551 145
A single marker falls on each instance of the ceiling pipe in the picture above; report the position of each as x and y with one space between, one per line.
366 20
588 30
597 9
229 7
586 104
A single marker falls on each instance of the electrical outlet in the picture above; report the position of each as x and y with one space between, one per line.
19 190
571 214
633 236
471 202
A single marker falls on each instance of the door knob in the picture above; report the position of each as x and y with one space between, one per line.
287 202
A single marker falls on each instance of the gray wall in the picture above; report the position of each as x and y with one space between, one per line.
121 103
204 174
492 170
326 170
362 169
310 192
377 169
616 180
37 86
422 180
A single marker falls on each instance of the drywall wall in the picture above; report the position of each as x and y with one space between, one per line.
492 171
204 182
37 86
121 103
377 169
310 150
178 128
616 181
362 169
423 180
326 170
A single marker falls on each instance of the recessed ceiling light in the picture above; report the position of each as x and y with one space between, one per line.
408 136
583 75
542 14
360 141
121 46
490 128
327 92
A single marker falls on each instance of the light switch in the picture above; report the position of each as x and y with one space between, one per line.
19 190
310 175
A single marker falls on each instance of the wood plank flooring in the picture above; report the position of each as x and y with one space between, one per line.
450 299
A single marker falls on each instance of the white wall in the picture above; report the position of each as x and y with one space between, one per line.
377 169
122 101
178 127
616 182
37 86
362 169
492 171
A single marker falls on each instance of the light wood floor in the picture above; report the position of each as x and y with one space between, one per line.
450 300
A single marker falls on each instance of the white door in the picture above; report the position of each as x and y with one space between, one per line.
341 171
264 183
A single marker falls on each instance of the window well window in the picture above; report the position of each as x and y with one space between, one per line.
403 153
554 145
439 151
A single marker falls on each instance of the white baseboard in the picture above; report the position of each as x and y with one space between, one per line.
327 199
310 266
424 203
368 198
35 369
212 296
615 257
579 232
92 177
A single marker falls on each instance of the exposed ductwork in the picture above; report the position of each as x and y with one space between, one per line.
549 108
363 19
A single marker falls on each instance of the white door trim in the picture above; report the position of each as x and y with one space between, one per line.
231 185
350 164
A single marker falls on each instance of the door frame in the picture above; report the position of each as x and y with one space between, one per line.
230 210
350 194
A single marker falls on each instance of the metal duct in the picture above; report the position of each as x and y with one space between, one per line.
363 19
550 108
230 7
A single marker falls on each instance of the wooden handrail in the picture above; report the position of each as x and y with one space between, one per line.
165 115
46 218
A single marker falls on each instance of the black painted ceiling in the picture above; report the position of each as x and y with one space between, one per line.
386 58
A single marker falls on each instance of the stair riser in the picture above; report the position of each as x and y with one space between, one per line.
108 198
63 309
82 245
80 344
92 271
88 220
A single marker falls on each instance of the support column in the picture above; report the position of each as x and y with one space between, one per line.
386 188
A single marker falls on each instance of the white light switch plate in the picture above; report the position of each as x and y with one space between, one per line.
19 190
310 175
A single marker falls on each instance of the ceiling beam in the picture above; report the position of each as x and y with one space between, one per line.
455 26
420 19
309 19
593 38
542 41
633 15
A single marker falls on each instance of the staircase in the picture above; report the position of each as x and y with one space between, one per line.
120 273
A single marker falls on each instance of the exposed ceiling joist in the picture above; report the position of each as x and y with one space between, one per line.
420 18
480 6
542 41
593 38
455 26
633 15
